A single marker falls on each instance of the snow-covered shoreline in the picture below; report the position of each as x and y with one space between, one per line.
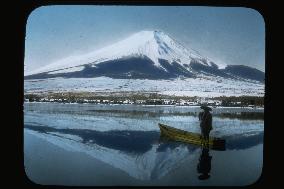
201 87
145 105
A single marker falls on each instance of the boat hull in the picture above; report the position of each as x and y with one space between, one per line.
192 138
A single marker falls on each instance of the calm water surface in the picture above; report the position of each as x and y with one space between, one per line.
90 145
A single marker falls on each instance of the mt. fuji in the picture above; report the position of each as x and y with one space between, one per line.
144 55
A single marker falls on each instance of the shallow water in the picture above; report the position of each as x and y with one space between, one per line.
85 144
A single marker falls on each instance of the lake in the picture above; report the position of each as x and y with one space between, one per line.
120 145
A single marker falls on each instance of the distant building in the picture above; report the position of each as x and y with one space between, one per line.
192 103
105 101
167 102
140 101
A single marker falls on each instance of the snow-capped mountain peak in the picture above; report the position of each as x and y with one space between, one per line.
144 55
154 45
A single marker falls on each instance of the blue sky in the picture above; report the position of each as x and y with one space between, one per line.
225 34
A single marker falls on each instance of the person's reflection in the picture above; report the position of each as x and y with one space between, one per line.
204 165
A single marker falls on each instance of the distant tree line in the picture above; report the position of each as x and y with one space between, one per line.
243 100
146 98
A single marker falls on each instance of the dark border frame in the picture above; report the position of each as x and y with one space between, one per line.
24 8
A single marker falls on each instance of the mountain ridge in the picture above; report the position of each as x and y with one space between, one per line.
147 55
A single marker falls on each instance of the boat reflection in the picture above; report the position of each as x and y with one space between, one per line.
141 154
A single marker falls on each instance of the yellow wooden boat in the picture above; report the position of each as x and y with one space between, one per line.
192 138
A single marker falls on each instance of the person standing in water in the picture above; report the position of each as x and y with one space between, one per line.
205 119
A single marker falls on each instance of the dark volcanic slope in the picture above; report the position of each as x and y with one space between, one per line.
245 72
143 68
134 67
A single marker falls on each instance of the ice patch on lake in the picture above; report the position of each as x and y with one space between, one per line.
221 126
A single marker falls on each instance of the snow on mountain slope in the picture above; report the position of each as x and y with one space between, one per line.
154 45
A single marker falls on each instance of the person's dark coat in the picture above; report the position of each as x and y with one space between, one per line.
205 121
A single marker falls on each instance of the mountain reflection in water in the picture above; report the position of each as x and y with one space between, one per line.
139 153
